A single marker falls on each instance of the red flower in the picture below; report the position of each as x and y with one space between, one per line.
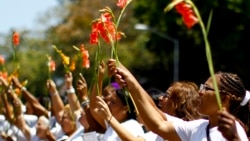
52 65
106 17
15 38
187 13
2 60
94 38
105 28
85 57
121 3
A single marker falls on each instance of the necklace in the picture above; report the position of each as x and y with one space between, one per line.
207 133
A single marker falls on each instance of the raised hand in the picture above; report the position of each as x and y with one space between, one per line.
112 68
16 82
82 88
51 87
102 68
227 125
103 109
122 75
68 79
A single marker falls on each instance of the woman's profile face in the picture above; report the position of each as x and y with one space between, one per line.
115 105
166 104
208 105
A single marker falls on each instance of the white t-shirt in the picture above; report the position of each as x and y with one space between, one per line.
149 136
196 131
16 134
52 120
30 120
131 125
33 135
77 135
4 124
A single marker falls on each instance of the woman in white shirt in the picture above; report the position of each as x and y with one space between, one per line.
232 92
120 117
116 108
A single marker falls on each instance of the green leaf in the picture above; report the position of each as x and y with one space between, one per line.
76 48
171 5
209 21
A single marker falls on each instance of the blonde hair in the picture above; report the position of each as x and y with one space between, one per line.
69 112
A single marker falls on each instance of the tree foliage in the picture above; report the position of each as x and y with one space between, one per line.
149 56
227 35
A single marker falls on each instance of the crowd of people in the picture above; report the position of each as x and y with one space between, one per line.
124 111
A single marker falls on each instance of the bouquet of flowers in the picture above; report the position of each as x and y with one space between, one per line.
106 28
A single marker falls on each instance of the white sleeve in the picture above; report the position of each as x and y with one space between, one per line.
30 120
241 132
149 136
133 127
57 131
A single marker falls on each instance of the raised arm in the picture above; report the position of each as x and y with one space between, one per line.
73 100
150 116
35 104
89 122
57 103
19 118
8 107
97 89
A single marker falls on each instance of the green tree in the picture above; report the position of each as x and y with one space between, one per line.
75 29
227 35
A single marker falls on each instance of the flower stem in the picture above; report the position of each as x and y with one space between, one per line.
208 54
14 56
120 16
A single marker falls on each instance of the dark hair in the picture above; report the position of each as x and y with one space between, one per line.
45 102
155 93
126 100
232 84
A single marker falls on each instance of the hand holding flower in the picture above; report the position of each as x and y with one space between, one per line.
16 82
68 79
227 125
103 109
122 75
101 70
51 87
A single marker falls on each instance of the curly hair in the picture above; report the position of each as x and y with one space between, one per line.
185 96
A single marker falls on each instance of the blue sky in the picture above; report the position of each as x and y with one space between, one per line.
19 14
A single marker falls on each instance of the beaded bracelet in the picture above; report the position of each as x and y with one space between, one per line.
85 103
